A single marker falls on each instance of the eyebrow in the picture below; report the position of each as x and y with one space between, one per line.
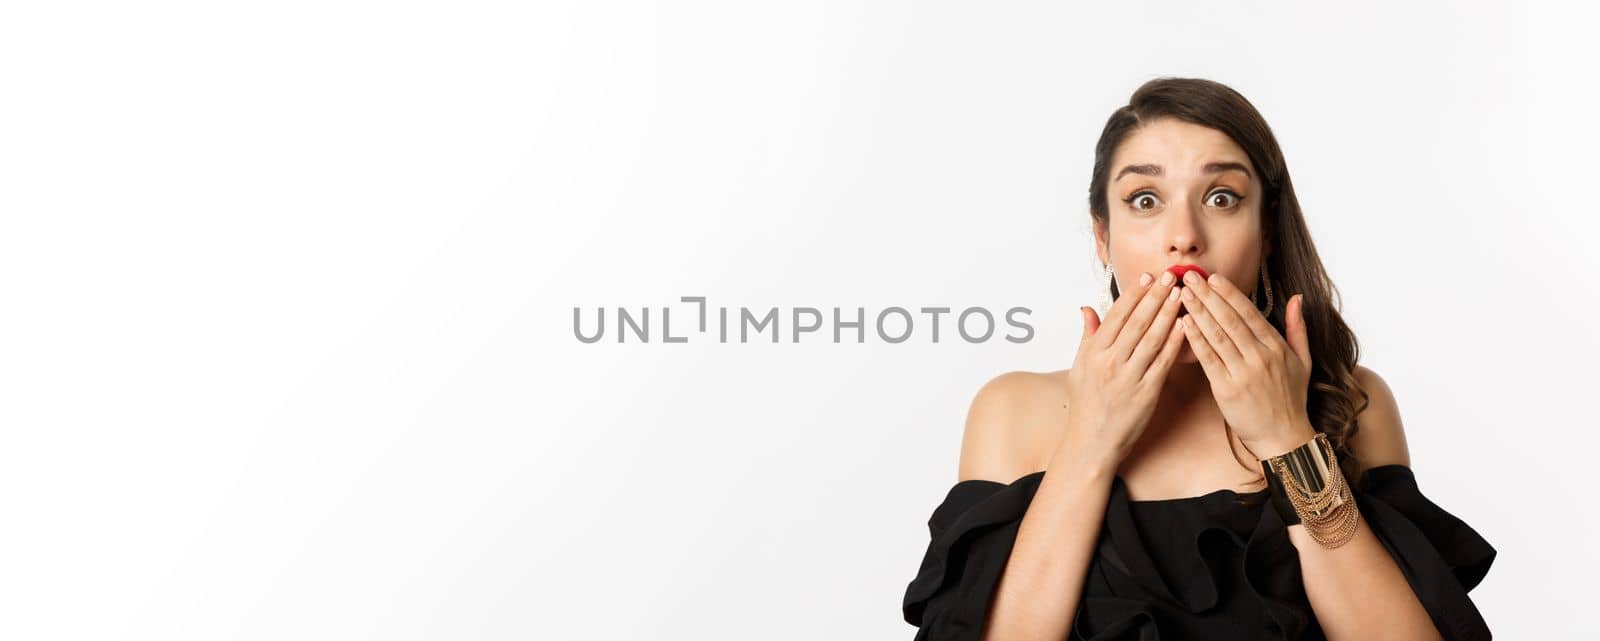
1155 170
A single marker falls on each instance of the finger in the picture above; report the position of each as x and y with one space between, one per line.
1215 369
1139 323
1126 301
1091 321
1244 307
1161 329
1169 355
1227 318
1216 337
1294 322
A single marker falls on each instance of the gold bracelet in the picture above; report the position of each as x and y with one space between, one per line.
1316 487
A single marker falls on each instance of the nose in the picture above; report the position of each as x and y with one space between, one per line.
1183 231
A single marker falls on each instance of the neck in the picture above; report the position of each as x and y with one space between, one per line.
1186 416
1186 383
1186 393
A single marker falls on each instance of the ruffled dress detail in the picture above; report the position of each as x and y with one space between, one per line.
1204 567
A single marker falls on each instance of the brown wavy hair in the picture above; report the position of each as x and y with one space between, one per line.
1334 397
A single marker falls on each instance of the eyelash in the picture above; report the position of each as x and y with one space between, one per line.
1237 199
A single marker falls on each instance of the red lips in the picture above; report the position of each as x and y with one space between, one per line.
1179 271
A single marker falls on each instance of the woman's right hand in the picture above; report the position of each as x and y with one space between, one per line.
1121 365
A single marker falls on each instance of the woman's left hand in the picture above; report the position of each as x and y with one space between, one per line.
1258 379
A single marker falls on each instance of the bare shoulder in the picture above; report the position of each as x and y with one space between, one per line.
1013 425
1380 438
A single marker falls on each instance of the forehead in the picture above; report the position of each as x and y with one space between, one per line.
1177 146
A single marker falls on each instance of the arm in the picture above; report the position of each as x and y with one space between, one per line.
1055 543
1357 590
1056 538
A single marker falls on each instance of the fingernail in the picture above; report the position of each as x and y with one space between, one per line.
1144 279
1191 277
1167 278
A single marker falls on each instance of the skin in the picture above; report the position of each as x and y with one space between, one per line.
1178 203
1147 397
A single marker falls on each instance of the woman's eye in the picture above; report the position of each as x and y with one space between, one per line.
1142 201
1224 199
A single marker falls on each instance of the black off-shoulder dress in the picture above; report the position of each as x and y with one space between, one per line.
1218 566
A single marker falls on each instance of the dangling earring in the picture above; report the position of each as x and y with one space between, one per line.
1110 278
1266 283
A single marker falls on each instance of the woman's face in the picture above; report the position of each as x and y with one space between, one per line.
1181 193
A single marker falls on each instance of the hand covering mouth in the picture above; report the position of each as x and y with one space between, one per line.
1179 271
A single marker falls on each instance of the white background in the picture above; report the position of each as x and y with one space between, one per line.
288 289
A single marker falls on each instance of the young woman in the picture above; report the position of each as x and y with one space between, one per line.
1214 465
